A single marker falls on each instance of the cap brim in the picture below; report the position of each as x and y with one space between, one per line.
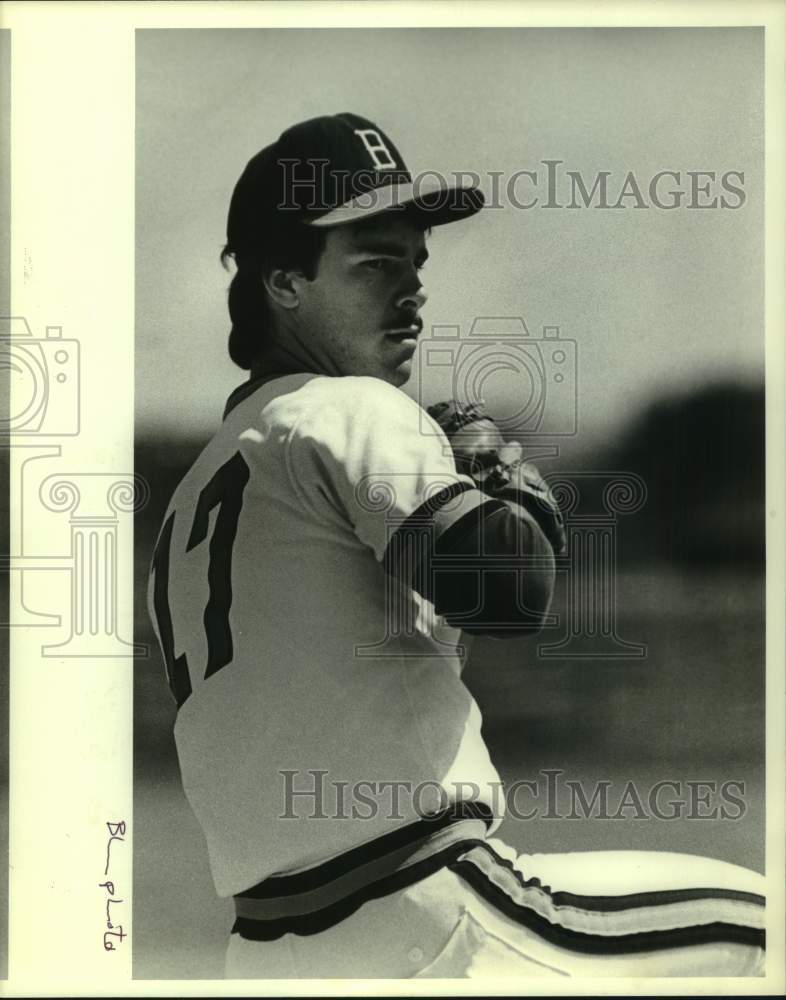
436 202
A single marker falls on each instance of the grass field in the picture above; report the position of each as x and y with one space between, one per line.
692 709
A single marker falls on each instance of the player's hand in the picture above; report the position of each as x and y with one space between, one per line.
474 437
498 466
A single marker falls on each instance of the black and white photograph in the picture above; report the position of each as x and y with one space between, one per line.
393 553
456 529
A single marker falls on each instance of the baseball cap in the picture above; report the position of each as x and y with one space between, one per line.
333 170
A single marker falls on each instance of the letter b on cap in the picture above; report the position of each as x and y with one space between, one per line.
376 148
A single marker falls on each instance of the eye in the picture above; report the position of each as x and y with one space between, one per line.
375 264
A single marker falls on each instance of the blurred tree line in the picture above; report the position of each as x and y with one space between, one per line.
701 455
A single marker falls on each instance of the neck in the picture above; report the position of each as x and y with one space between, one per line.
274 363
285 354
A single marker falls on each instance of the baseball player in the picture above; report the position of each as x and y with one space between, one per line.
313 584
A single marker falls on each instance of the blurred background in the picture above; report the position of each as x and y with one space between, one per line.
662 311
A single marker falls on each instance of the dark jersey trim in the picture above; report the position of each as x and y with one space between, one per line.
427 510
414 539
286 885
246 389
243 392
313 923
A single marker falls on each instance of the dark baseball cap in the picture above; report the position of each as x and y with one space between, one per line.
334 170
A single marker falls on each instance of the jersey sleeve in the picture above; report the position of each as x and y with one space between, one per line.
366 455
365 452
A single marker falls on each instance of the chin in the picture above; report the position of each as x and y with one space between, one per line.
400 376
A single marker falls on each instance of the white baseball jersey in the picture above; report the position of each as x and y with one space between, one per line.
298 662
302 663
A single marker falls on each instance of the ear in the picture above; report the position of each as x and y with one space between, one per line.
282 287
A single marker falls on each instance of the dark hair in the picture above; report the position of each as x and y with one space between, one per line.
289 246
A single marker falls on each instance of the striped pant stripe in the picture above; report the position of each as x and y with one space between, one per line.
619 924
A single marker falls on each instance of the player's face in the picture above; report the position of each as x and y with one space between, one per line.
359 316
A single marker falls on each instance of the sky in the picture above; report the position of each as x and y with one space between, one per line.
649 300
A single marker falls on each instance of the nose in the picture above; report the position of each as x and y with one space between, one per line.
414 297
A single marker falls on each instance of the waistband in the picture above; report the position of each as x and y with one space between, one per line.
311 901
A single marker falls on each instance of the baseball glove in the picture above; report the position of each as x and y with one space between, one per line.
498 466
